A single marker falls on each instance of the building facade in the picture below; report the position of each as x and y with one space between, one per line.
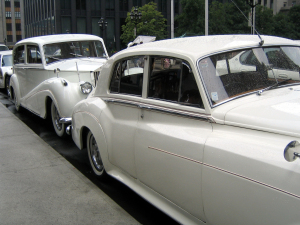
45 17
11 26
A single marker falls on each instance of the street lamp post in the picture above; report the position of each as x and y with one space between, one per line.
252 4
135 16
103 25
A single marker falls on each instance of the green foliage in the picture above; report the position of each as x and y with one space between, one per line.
152 23
191 20
294 21
264 22
225 18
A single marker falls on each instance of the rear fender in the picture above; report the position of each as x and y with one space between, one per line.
82 120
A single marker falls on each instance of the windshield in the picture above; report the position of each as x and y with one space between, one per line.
7 60
3 48
74 49
232 74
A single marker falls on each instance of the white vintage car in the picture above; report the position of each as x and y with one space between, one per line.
5 69
52 73
204 147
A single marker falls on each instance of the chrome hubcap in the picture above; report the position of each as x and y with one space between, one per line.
95 154
56 119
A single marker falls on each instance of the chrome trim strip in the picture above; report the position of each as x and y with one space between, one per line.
65 120
121 101
226 171
161 109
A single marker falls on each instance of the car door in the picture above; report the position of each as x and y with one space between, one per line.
35 73
122 112
19 65
171 134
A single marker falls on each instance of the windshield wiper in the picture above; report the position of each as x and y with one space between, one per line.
51 57
272 86
75 54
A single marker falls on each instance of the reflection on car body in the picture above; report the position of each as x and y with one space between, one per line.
205 130
52 73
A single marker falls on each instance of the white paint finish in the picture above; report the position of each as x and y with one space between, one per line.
168 156
254 177
34 83
275 111
196 47
226 168
4 70
120 128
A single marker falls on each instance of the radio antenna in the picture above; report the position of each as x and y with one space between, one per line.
261 40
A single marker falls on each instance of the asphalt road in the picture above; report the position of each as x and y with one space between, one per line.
136 206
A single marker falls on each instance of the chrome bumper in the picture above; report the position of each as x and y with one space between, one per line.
69 129
65 120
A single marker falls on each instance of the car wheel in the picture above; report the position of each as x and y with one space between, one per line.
95 157
15 100
7 79
58 127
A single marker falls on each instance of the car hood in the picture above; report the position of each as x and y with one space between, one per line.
276 111
84 64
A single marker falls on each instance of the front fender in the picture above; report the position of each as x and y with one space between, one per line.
14 86
63 93
245 173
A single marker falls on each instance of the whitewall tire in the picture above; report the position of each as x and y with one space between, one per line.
58 127
95 156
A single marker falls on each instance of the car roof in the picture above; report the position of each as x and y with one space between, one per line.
48 39
196 47
8 52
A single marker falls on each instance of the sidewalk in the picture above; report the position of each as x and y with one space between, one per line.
38 186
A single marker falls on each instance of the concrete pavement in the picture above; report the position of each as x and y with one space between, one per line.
38 186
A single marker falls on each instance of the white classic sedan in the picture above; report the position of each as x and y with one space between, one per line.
52 73
204 146
5 69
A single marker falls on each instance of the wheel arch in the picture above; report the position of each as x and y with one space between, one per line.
84 122
48 101
84 132
14 86
5 75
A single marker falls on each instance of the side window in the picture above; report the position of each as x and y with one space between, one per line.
173 80
127 76
280 60
33 54
19 55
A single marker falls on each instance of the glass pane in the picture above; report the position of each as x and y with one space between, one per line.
33 54
65 25
67 50
95 27
165 79
19 55
7 60
189 92
236 73
81 25
100 49
115 81
132 76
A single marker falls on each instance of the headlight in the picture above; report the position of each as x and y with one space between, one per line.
86 88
